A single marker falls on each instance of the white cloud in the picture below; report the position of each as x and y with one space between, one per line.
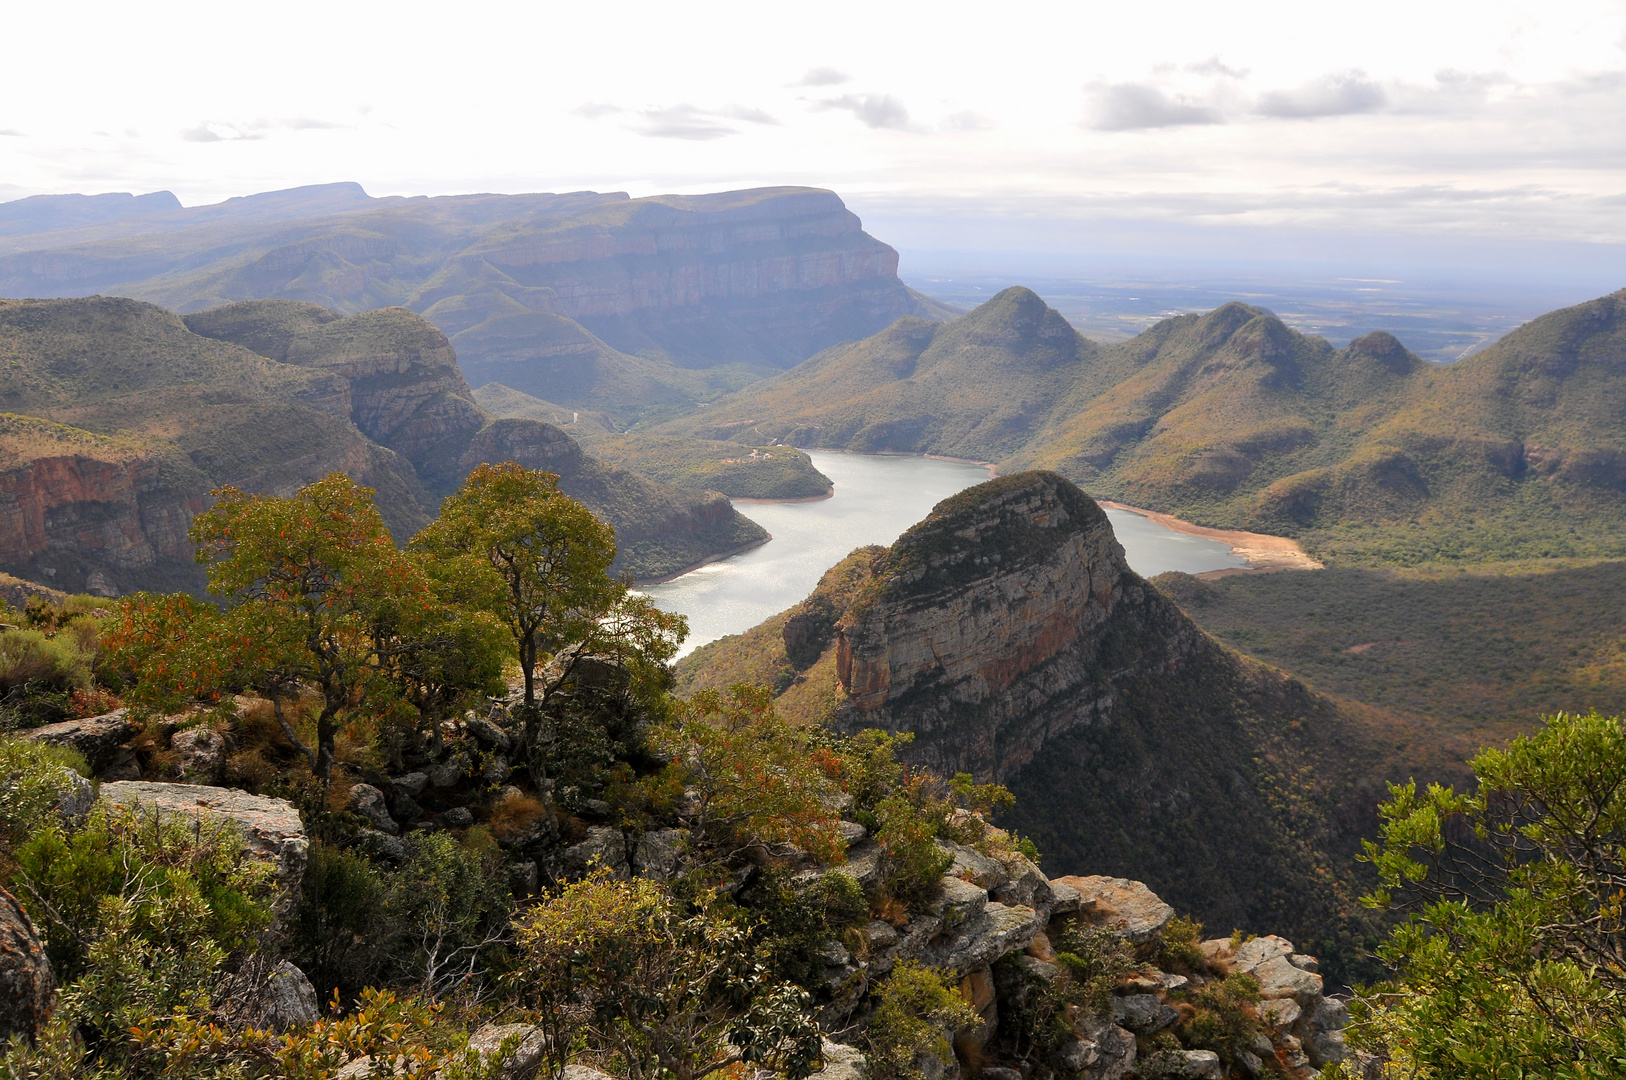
1141 107
823 76
874 110
1341 94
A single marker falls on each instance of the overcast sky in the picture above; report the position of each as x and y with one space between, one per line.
962 126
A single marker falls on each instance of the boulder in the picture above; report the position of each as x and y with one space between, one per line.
978 942
996 1072
368 801
450 772
603 846
842 1062
1065 898
658 853
1321 1030
1026 886
409 784
522 878
488 733
1202 1065
972 865
27 985
458 817
1280 979
1144 1014
1114 1049
958 901
273 997
1127 908
77 796
271 827
522 1060
583 1072
851 833
864 864
1280 1014
881 935
202 752
496 770
98 738
1255 951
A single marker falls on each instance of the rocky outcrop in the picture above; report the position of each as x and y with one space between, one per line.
98 738
985 630
271 828
1006 634
27 985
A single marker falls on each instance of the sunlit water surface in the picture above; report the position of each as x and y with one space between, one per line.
876 498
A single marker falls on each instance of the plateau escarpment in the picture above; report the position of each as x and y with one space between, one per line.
1366 454
1009 637
121 418
593 300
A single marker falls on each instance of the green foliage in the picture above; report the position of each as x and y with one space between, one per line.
736 470
662 989
40 667
1512 959
1177 946
511 544
912 863
1093 961
33 780
792 921
434 924
756 779
116 874
1224 1016
916 1014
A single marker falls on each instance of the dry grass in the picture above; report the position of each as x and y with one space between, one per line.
514 814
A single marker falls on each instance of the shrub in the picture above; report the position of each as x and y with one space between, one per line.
912 863
1093 960
514 814
916 1015
1225 1017
1178 947
33 780
634 974
792 923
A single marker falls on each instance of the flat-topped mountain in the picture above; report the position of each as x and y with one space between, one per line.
589 299
1233 419
119 418
1006 632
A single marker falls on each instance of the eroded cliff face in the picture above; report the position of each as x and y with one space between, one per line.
115 511
986 624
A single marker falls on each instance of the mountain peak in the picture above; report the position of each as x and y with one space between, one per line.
1016 318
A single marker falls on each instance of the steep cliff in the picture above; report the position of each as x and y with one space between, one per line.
587 299
1009 637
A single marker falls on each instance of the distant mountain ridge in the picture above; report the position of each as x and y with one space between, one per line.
117 418
592 300
1366 453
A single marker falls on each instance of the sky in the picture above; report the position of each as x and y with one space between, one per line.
1442 130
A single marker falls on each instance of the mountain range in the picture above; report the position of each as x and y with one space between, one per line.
594 300
1367 453
117 418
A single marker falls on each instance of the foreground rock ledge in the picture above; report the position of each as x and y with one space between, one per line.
271 827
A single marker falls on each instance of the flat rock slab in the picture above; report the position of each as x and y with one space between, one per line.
271 827
1127 908
96 737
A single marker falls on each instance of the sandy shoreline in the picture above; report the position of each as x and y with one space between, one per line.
707 561
1263 553
799 499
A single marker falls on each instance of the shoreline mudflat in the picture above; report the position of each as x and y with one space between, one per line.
707 561
1264 553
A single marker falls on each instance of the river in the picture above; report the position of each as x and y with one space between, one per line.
876 498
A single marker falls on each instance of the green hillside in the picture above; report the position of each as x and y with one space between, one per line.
1366 454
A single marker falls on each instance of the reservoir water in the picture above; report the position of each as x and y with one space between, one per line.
876 498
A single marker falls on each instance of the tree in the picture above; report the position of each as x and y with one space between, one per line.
670 991
315 594
1514 960
756 780
511 543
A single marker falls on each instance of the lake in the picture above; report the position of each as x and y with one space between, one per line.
876 498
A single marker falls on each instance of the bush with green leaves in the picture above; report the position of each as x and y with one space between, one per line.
433 924
1513 961
665 987
918 1010
1224 1016
791 921
34 777
139 915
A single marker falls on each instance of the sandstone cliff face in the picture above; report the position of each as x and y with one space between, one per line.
1008 637
984 632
